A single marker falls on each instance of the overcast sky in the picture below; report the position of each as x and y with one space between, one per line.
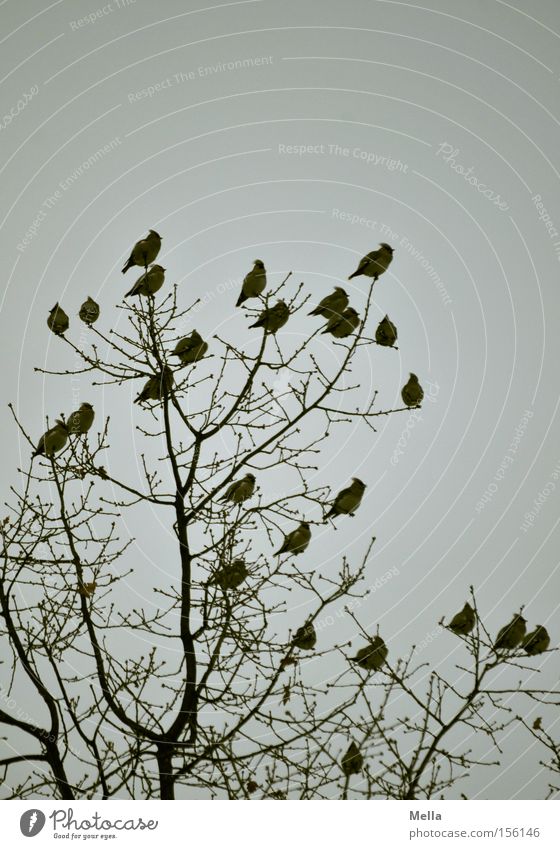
305 133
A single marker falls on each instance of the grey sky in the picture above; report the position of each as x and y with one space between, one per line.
305 133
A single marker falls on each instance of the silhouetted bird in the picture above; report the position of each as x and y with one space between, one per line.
191 348
87 590
144 252
273 318
81 420
58 321
332 305
53 440
240 490
352 762
386 333
375 263
149 283
412 393
305 637
373 656
231 575
537 641
343 325
254 283
89 311
463 622
153 389
296 541
348 500
511 634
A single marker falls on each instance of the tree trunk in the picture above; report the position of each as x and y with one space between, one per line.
165 768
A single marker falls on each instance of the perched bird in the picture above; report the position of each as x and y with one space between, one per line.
463 622
537 641
89 311
375 263
343 325
305 637
348 500
53 440
191 348
154 387
511 634
231 575
333 304
273 318
296 541
373 656
149 283
352 762
254 283
240 490
81 420
58 321
386 333
412 393
144 252
87 590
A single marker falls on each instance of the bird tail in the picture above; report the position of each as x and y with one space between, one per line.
355 274
241 299
326 330
128 264
256 324
316 311
131 292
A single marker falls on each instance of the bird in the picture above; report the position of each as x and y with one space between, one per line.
348 500
89 311
53 440
463 622
254 283
343 325
154 387
88 589
305 637
273 318
58 321
352 762
332 305
240 490
412 393
386 333
231 574
375 263
80 421
191 348
537 641
511 634
144 252
296 541
373 656
149 283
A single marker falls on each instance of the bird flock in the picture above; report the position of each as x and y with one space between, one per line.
342 320
509 638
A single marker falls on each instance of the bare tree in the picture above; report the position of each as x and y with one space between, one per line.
221 701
